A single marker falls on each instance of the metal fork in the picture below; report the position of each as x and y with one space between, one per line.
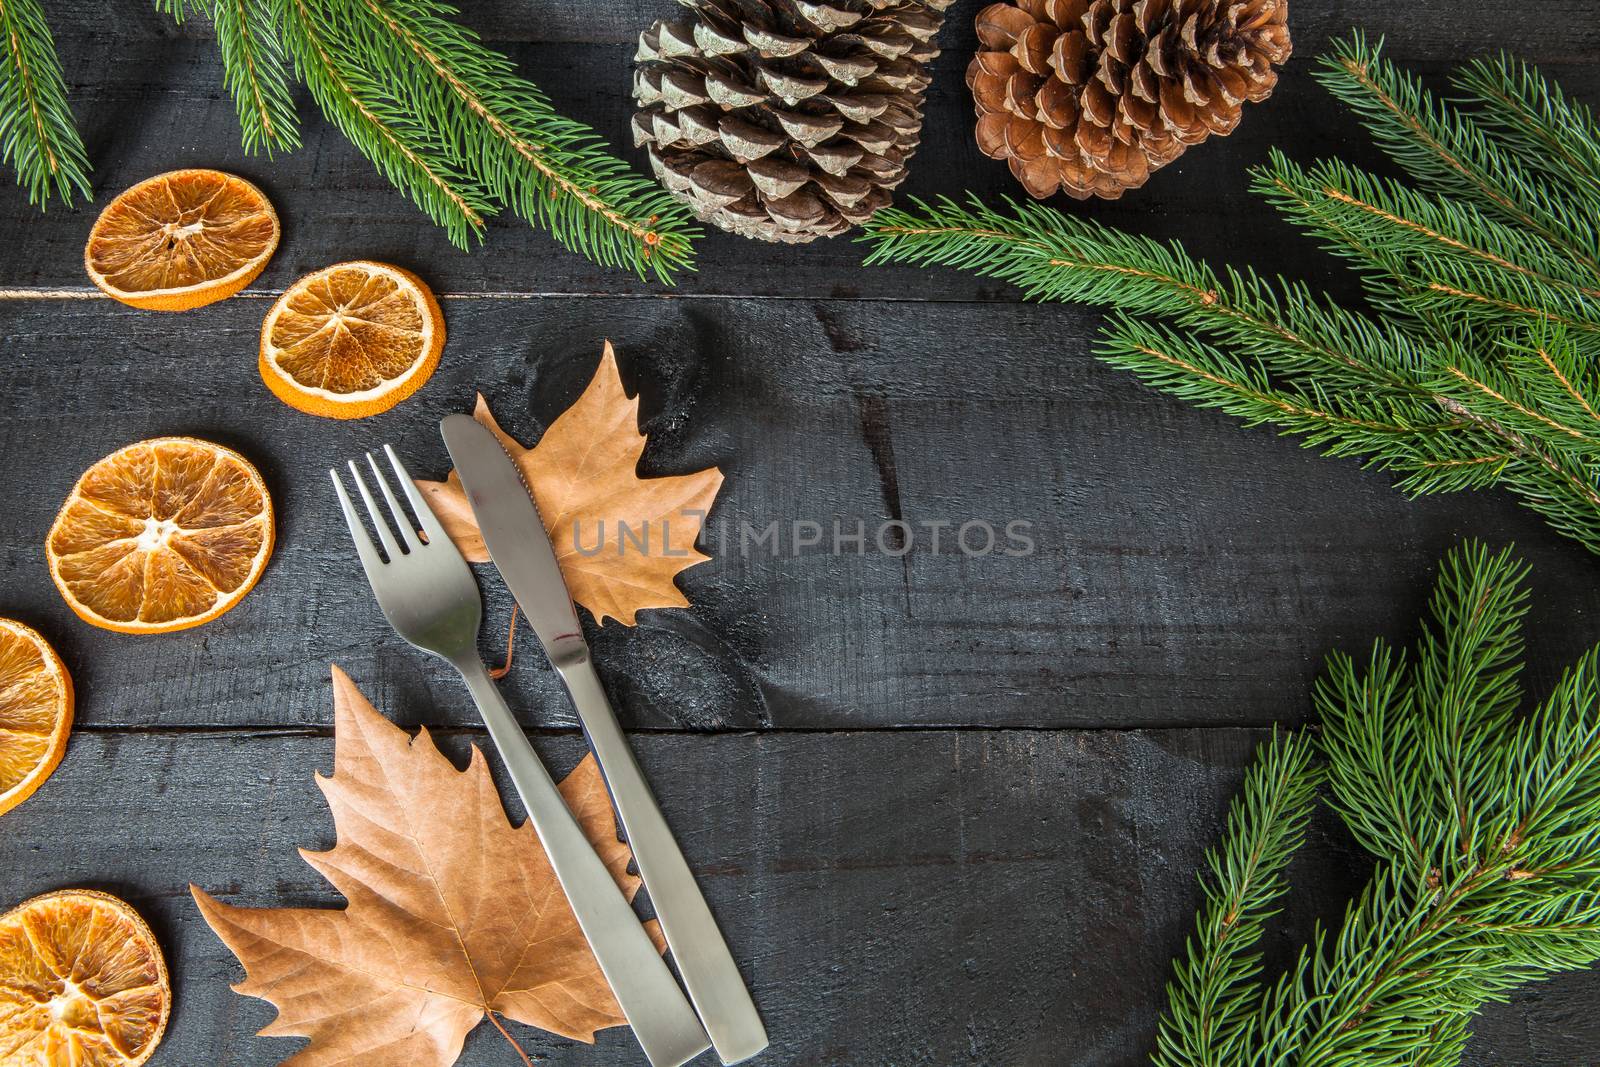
429 596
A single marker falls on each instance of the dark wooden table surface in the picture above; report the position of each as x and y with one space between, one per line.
948 809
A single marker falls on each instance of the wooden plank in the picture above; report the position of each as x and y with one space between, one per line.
1425 27
1000 896
996 897
1186 571
150 100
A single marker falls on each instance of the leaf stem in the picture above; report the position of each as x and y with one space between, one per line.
509 1039
511 645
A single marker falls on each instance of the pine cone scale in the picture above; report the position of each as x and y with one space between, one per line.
785 120
1069 58
1091 96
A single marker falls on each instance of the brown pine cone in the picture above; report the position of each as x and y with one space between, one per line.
1091 97
785 120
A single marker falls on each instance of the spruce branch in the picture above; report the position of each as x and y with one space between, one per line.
551 170
1466 677
1445 257
1473 363
1214 989
1376 772
1486 832
256 73
1556 134
37 134
1449 152
447 120
1444 1043
407 153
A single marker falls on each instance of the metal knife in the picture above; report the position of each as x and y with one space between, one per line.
521 549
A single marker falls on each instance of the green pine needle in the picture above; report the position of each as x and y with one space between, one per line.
37 135
1486 830
1215 986
256 72
398 142
504 132
1452 151
447 120
1556 135
1474 364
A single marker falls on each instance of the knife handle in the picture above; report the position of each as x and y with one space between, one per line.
703 959
655 1007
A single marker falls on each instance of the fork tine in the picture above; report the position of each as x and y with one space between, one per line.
384 534
358 533
402 523
430 522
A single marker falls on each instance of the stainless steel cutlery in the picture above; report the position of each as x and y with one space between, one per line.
429 596
520 547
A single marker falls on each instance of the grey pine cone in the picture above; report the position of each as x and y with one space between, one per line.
785 120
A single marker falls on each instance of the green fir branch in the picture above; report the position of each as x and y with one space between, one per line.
1215 985
37 134
1447 151
1209 376
1375 749
1443 256
1444 1043
404 149
256 72
1465 684
1554 133
447 120
551 170
255 68
1486 832
1473 364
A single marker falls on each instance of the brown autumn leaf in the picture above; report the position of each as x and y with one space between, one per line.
453 913
621 539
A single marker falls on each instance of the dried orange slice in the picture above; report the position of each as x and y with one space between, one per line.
35 712
82 982
181 240
161 535
351 340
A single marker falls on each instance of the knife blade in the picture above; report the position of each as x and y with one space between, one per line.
520 547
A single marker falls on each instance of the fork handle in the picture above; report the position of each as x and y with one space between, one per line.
655 1006
701 953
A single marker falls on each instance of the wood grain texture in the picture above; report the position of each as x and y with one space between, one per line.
1185 572
150 98
1427 28
948 809
934 898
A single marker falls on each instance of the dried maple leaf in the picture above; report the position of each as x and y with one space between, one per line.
621 539
453 913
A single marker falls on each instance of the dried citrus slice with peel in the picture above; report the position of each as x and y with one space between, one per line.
161 535
82 982
35 712
181 240
351 340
